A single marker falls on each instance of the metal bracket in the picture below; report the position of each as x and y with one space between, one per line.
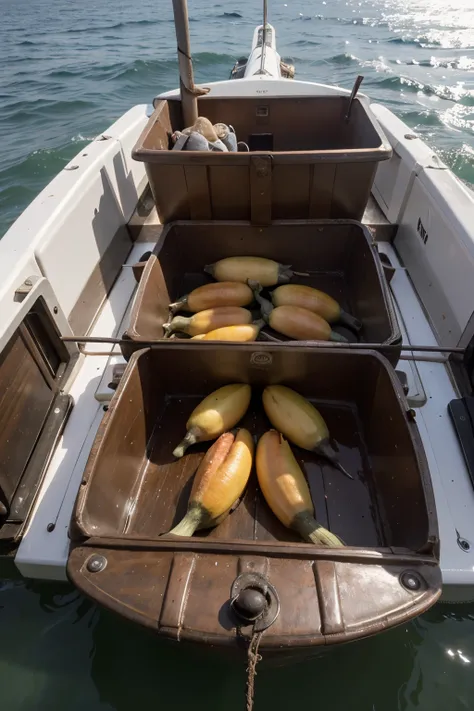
117 373
26 287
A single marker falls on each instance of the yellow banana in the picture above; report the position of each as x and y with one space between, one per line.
265 271
294 321
296 418
208 320
242 332
217 413
209 296
219 482
286 490
313 300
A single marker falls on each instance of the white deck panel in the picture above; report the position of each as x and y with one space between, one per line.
43 554
104 393
454 493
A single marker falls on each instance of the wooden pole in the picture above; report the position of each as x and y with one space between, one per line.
186 77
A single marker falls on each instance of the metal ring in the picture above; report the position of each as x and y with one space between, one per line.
259 582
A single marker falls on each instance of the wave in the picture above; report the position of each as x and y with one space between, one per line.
26 110
462 63
211 58
412 41
458 118
142 70
357 20
231 14
27 168
100 28
461 161
81 139
432 42
421 118
343 59
455 93
306 43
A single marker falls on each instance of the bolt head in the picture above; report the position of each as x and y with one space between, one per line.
96 563
411 581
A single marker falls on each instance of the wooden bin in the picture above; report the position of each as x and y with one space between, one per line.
134 491
338 256
319 165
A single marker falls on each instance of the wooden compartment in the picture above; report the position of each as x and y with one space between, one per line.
338 254
134 491
33 413
320 165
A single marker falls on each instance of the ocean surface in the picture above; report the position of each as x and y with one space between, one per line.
67 71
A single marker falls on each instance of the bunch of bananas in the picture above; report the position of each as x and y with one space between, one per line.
297 311
225 469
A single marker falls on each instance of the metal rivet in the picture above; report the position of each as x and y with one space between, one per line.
50 527
96 563
410 581
71 167
411 414
55 310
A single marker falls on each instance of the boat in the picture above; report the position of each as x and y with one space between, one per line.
78 429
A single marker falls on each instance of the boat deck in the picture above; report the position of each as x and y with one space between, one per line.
44 550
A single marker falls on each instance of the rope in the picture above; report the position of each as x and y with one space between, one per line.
253 658
189 85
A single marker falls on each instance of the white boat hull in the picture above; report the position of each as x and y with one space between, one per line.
79 214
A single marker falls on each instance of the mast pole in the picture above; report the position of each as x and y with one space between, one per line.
189 92
264 38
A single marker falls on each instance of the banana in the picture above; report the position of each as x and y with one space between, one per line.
219 482
209 296
266 271
298 420
313 300
294 321
208 320
242 332
217 413
286 490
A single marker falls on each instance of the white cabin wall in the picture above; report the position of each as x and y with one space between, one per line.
90 217
435 237
130 174
395 177
74 223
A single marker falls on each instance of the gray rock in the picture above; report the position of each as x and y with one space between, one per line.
196 142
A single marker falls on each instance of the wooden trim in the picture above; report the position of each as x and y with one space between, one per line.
35 470
38 357
261 190
305 551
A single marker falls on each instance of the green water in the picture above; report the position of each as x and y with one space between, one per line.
68 70
60 652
